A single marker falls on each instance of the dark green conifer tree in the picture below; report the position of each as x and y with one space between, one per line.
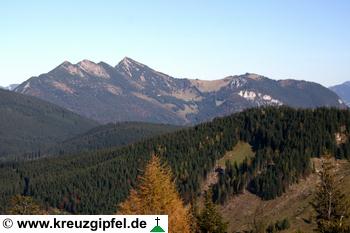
210 220
330 203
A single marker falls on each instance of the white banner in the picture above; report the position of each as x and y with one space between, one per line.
83 223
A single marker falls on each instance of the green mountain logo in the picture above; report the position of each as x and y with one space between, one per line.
157 228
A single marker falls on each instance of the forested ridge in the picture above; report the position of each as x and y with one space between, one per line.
29 124
283 139
111 135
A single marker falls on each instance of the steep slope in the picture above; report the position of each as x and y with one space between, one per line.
29 124
111 135
343 90
240 211
132 91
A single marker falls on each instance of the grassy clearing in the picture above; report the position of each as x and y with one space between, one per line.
241 151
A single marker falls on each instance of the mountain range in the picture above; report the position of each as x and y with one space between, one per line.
343 91
131 91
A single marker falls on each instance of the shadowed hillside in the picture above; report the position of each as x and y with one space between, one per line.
29 124
111 135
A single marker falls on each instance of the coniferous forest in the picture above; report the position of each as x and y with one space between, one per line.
283 139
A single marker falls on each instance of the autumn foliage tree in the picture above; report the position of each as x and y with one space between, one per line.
157 194
24 205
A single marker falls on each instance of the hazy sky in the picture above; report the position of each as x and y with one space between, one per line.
300 39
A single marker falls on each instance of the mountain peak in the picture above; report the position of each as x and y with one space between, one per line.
69 67
128 66
65 64
127 59
254 76
87 65
84 67
127 62
93 68
86 62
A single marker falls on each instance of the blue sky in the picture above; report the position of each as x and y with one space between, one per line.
297 39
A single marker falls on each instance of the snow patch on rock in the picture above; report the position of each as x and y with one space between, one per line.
219 102
26 87
250 95
259 98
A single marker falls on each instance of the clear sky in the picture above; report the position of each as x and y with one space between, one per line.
300 39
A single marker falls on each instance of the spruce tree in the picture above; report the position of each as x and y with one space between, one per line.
330 203
157 194
210 220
